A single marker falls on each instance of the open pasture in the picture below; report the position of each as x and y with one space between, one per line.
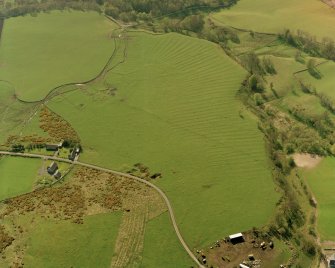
14 115
96 219
43 52
176 110
284 81
163 249
321 180
325 85
88 245
17 175
274 16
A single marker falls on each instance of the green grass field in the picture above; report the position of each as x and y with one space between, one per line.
274 16
324 85
17 175
284 81
65 244
287 87
13 114
162 248
176 111
322 182
40 53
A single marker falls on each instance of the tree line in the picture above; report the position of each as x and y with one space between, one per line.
134 10
309 44
32 7
125 10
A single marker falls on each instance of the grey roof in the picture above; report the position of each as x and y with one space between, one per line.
72 154
53 167
57 174
51 146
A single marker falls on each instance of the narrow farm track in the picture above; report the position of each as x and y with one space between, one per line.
162 194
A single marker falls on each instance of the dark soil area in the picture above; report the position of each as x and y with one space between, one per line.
250 252
5 239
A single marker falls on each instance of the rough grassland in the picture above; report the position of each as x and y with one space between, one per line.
40 53
17 175
324 85
284 81
273 16
162 249
322 182
13 114
88 245
176 111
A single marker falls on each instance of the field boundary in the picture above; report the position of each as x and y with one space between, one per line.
306 69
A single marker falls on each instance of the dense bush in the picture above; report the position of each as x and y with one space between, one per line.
311 67
166 7
252 63
268 66
309 44
17 148
256 83
21 8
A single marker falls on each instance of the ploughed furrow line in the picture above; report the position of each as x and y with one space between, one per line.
129 244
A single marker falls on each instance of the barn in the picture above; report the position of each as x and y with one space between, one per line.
52 168
236 238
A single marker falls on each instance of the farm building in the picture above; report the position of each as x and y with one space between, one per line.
236 238
72 155
52 168
243 266
332 262
74 152
52 147
58 175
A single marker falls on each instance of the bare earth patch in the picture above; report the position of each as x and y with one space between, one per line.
224 254
330 3
306 160
328 248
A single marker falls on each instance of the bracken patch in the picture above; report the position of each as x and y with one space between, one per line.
5 239
57 127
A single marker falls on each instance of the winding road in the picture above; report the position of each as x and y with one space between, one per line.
167 202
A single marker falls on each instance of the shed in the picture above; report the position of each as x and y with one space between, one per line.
57 175
236 238
51 147
52 168
332 262
72 155
243 266
60 144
